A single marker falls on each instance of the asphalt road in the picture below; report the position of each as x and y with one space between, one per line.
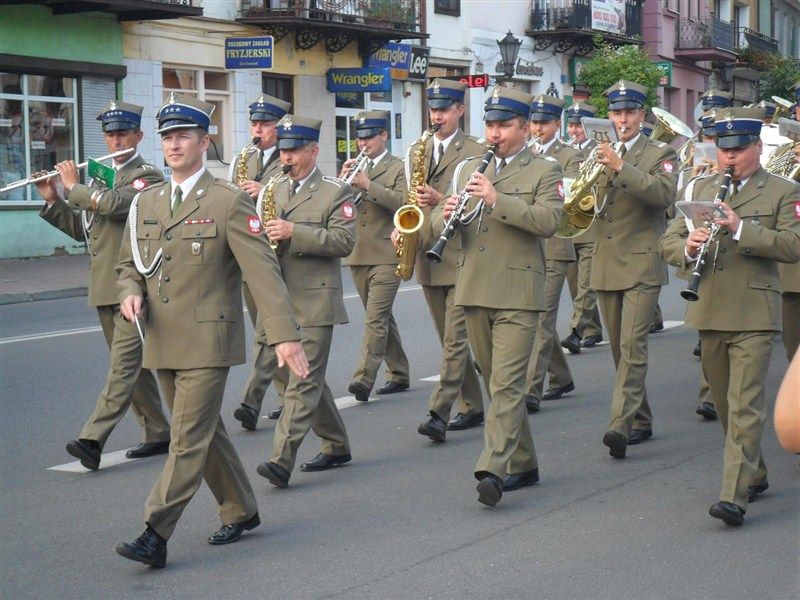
402 520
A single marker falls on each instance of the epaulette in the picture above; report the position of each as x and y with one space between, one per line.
158 184
148 166
334 180
658 143
226 184
545 157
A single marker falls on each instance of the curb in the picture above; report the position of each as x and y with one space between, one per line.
19 297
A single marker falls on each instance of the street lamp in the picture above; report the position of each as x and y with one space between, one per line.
509 50
726 75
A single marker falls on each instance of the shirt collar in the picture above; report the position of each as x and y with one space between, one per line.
188 184
123 165
375 161
267 153
546 147
508 159
302 182
629 144
445 143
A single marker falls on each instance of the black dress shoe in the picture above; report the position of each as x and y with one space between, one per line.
591 341
754 491
87 451
556 393
149 548
731 513
435 428
490 490
275 414
465 421
521 480
572 343
656 327
392 387
698 349
707 411
532 404
616 442
637 436
227 534
276 474
146 449
247 416
323 462
359 391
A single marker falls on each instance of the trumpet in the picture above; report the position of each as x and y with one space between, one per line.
361 163
51 174
535 145
458 217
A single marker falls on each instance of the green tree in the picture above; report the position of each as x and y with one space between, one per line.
781 73
612 63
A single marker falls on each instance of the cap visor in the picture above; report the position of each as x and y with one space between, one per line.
499 115
172 124
263 116
367 133
290 143
735 141
574 119
709 131
538 116
622 104
120 126
440 102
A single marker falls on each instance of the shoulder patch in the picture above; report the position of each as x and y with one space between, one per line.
334 180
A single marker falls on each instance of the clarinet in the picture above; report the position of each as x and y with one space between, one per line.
435 253
690 293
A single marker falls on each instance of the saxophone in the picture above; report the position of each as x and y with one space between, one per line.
409 218
241 166
266 208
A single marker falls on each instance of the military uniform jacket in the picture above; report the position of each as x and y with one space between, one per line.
387 192
255 170
743 293
195 315
440 178
570 160
790 277
323 215
634 219
106 222
504 266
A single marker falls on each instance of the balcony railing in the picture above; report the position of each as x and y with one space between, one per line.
750 38
577 16
713 33
126 10
392 14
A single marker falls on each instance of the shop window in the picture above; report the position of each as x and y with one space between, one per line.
447 7
37 128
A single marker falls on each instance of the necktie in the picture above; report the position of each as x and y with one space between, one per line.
295 187
261 158
177 199
439 153
500 166
735 187
623 150
370 166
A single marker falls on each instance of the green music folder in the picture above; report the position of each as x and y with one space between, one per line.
101 173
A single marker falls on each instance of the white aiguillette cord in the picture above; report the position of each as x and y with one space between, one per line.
138 328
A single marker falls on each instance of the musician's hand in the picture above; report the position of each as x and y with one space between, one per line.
731 220
131 307
279 229
395 237
348 164
46 188
292 355
696 239
479 186
253 188
69 173
705 166
361 181
450 205
427 196
606 156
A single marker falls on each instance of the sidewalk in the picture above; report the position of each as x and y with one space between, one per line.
49 278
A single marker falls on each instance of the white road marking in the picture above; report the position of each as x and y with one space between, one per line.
106 460
432 378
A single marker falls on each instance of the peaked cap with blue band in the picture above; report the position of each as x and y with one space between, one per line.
268 108
707 119
184 112
716 99
120 116
577 111
647 128
506 103
295 132
738 127
371 122
768 108
546 108
626 94
441 93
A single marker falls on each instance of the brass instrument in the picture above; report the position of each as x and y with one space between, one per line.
783 162
668 127
782 106
362 160
409 218
241 166
267 209
535 145
51 174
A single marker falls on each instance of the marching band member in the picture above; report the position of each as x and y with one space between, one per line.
185 246
373 260
501 284
627 271
97 216
738 311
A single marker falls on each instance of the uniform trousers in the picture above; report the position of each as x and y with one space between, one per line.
628 315
585 315
127 384
547 356
199 449
308 403
735 364
502 341
377 287
791 322
264 360
457 378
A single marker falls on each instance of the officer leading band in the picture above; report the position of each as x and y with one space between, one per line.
507 250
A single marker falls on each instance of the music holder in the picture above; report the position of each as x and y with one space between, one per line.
600 130
700 210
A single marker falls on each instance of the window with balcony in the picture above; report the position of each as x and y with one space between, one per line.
447 7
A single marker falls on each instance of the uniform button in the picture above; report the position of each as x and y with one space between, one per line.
168 236
610 219
724 232
722 250
221 316
747 250
481 248
363 223
94 253
297 327
167 257
485 229
323 284
609 236
308 219
165 300
527 266
755 212
721 269
167 279
94 236
503 217
769 285
611 202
